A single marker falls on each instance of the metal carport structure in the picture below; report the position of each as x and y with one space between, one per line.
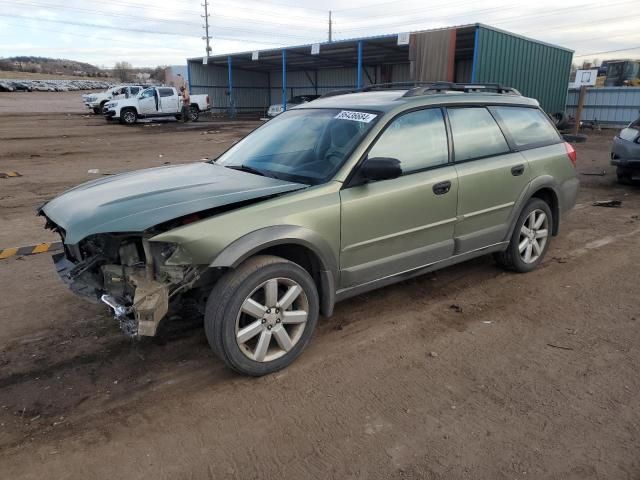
251 81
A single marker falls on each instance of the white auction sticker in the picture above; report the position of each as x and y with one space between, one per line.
356 116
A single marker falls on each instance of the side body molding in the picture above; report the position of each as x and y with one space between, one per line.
250 244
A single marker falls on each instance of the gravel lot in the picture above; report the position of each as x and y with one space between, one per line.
469 372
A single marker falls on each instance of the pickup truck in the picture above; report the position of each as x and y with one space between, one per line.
97 101
154 102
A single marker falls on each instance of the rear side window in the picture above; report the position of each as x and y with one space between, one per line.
165 92
475 134
527 126
418 139
135 90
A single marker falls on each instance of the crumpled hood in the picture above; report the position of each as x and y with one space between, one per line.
136 201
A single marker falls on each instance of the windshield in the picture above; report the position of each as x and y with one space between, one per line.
306 146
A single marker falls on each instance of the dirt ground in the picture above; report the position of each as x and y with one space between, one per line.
469 372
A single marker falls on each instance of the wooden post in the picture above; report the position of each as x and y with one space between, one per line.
581 97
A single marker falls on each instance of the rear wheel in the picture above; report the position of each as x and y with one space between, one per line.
97 110
530 239
261 316
194 113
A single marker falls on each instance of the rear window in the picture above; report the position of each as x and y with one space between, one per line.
475 134
135 90
165 92
527 126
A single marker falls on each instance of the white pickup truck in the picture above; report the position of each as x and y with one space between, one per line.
97 101
154 102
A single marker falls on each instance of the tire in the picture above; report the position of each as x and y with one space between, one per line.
97 110
128 116
561 120
514 258
249 285
624 176
194 112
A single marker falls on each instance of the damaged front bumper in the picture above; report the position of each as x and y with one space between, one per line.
138 299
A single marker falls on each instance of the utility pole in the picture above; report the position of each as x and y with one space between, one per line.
330 27
206 25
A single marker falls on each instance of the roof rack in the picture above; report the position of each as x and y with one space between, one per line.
440 87
379 86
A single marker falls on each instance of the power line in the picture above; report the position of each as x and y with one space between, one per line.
609 51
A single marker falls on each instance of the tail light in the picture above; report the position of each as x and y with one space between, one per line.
571 153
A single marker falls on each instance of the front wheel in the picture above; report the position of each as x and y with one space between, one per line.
261 316
128 117
530 239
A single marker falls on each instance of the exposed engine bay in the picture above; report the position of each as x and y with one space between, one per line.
128 273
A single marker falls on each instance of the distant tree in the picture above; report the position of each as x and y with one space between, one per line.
122 71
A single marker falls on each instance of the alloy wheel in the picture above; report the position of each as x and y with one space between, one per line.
272 319
129 117
533 236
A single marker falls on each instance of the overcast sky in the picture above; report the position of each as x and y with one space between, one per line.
162 32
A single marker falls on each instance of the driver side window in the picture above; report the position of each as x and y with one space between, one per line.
417 139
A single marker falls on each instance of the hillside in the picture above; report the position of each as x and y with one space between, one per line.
50 66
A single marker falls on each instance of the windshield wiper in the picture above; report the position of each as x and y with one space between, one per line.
248 169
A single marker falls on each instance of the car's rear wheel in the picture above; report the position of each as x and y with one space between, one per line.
530 239
194 113
261 316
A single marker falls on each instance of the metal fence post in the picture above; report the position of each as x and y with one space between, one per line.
232 103
284 80
359 81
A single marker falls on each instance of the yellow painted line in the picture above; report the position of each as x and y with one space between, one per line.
7 252
43 247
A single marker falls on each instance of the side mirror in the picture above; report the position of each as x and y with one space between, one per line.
378 168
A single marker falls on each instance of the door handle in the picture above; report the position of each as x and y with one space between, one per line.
517 170
442 188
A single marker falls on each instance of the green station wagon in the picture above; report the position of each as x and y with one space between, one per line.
336 197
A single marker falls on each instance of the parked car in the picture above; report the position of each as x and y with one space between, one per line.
324 202
276 109
97 101
154 102
625 152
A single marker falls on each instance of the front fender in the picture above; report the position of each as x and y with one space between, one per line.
246 246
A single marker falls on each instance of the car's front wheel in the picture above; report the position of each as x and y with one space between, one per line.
261 316
128 116
530 239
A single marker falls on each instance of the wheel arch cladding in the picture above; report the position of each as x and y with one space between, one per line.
550 197
296 244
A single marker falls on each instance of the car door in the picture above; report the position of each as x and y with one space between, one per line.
396 225
147 102
491 178
168 101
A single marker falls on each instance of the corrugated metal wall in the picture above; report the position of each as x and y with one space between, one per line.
250 89
610 106
255 91
537 70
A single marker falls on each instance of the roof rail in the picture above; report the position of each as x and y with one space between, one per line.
378 86
439 87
